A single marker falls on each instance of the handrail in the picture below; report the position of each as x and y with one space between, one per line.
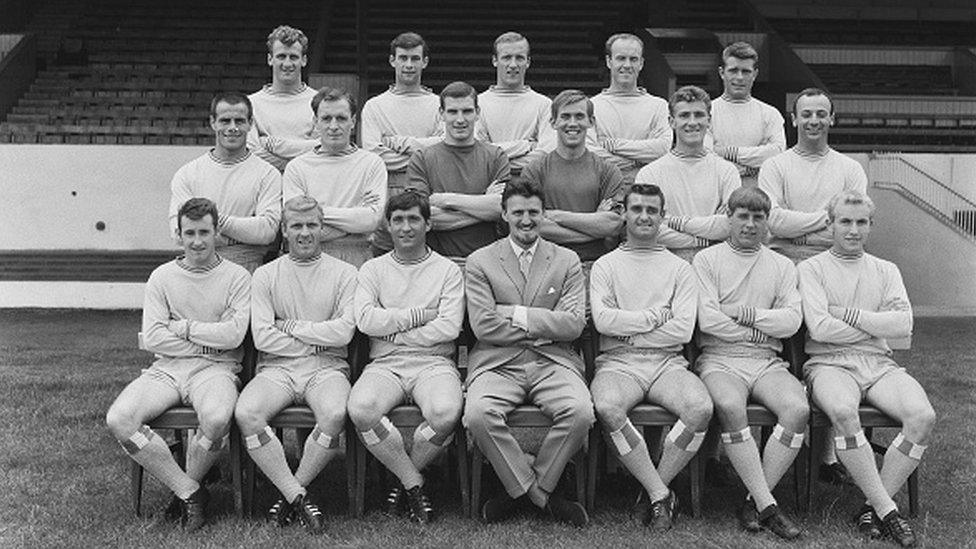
897 157
965 225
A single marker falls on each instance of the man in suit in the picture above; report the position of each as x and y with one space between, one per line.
526 303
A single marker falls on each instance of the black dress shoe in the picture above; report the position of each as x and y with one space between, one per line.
567 511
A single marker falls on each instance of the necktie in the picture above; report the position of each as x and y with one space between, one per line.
525 260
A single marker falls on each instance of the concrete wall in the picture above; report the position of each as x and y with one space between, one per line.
53 196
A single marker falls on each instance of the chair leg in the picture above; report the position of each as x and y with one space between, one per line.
800 479
461 448
695 470
135 486
476 459
592 459
359 494
352 469
250 472
235 470
913 503
813 458
581 467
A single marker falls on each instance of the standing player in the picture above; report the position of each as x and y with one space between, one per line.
526 305
696 181
802 180
644 301
580 188
631 125
747 302
282 128
852 303
462 177
246 189
746 131
302 320
401 120
513 116
193 319
411 303
348 182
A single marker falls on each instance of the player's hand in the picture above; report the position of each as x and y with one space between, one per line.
836 311
609 144
731 311
395 142
606 205
438 200
505 311
496 187
426 315
181 328
894 304
371 200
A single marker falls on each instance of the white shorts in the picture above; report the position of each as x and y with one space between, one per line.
643 367
750 370
864 369
188 375
298 376
410 372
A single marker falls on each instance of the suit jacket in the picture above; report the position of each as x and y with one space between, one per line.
554 295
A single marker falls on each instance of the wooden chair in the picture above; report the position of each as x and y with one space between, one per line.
182 419
652 420
404 417
302 420
871 418
530 416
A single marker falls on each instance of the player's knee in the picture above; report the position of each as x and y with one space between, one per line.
577 411
215 421
480 415
697 413
120 422
363 410
250 418
443 416
333 415
795 414
610 412
921 421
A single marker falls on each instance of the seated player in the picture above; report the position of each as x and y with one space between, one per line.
411 303
246 189
193 319
348 182
302 321
852 303
747 302
644 303
581 189
462 177
696 181
282 129
526 306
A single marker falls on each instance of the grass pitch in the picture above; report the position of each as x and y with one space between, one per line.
65 480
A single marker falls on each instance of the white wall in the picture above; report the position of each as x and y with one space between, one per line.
53 195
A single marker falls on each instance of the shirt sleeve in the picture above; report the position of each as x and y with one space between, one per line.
773 142
262 227
156 336
450 314
228 332
821 325
338 330
684 309
268 337
364 218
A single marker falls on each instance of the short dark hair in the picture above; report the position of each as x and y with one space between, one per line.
753 199
689 94
458 90
812 92
196 209
287 36
408 40
231 98
406 200
622 36
520 186
644 189
740 50
333 94
509 37
568 97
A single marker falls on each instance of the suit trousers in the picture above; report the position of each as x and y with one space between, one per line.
562 396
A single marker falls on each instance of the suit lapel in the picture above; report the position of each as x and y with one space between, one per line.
541 262
510 265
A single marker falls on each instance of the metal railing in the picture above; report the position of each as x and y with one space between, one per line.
952 206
